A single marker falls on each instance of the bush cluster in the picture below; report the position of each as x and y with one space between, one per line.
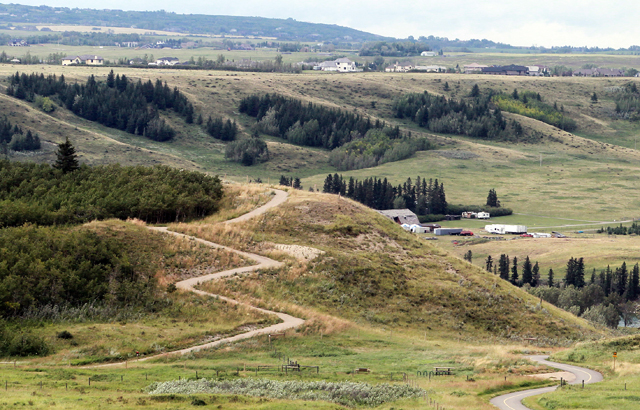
15 137
530 105
42 195
345 393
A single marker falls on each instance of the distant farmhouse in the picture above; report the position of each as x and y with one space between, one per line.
18 43
166 61
84 59
341 65
428 54
474 68
506 70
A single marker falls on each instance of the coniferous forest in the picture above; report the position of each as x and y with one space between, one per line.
117 103
308 124
473 117
422 197
15 138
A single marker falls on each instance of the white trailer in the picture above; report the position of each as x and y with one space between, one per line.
505 229
541 235
483 215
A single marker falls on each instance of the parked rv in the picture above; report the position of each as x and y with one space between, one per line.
505 229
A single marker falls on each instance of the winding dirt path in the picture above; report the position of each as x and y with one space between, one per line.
288 321
513 401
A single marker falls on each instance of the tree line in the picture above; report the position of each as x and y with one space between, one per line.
473 116
602 297
117 103
634 229
422 197
13 137
309 124
40 194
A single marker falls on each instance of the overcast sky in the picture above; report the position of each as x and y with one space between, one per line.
612 23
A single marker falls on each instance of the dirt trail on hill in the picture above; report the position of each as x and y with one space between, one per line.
288 321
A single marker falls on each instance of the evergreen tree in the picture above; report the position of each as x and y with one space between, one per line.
503 266
578 280
296 183
468 256
515 279
569 278
632 290
550 281
66 158
515 94
527 272
594 97
488 263
535 281
475 91
328 185
492 199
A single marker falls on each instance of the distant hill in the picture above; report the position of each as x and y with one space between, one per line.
281 29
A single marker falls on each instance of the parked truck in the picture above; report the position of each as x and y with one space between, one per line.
505 229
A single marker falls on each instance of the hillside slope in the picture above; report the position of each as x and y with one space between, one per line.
375 272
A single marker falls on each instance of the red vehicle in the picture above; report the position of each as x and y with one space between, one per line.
466 233
526 235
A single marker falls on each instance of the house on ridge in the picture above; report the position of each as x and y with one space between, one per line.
83 59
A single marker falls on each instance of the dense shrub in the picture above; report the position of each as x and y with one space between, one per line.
67 267
531 105
247 151
493 211
346 393
375 148
16 343
43 195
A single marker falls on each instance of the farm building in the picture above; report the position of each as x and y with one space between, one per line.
447 231
417 228
401 216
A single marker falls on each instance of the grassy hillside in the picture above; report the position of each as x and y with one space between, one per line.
376 273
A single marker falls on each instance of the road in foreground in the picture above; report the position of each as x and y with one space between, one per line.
513 401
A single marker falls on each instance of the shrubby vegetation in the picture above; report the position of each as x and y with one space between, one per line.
46 196
308 124
349 394
117 103
49 266
375 148
530 105
247 151
14 342
493 211
628 102
422 197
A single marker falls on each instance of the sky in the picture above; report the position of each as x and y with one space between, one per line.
612 23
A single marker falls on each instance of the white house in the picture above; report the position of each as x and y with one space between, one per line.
341 65
399 68
83 59
431 68
428 54
345 65
167 61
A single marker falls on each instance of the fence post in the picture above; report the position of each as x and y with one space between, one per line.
89 381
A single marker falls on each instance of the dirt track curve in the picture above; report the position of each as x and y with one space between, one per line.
513 401
288 321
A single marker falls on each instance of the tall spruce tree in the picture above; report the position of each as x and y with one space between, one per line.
550 281
492 199
569 278
488 263
503 266
527 272
578 279
515 277
535 281
66 158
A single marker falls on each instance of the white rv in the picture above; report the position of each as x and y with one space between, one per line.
505 229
